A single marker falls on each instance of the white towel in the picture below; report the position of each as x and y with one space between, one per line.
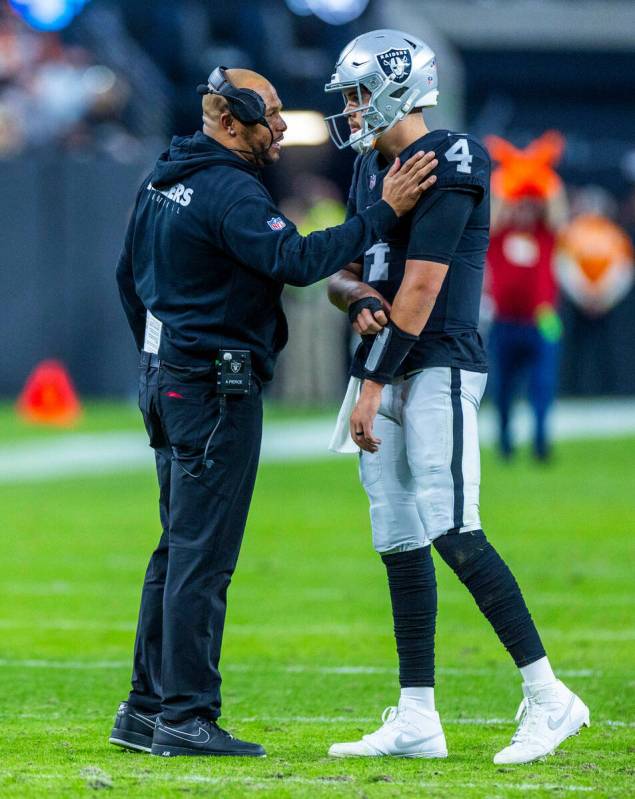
341 440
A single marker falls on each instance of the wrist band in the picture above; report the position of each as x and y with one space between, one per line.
355 308
389 349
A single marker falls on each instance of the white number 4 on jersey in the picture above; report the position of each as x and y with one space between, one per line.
460 153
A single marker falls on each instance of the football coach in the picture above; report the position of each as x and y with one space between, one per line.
205 259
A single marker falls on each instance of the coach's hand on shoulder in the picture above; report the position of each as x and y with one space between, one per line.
364 414
403 185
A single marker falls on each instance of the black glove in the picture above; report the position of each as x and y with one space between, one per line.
355 308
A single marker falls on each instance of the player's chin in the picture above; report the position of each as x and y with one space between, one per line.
273 153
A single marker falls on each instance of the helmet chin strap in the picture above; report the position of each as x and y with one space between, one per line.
366 142
361 146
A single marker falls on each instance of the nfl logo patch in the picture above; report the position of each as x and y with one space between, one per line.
372 182
276 223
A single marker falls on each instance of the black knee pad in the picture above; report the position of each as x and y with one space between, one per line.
478 566
461 550
411 568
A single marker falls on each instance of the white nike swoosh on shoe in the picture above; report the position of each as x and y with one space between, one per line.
404 741
188 736
144 720
553 724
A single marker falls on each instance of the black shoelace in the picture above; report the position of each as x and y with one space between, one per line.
215 726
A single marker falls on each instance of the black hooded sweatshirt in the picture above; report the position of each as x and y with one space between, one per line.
207 253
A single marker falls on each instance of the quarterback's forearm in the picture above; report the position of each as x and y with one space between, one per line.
411 310
417 295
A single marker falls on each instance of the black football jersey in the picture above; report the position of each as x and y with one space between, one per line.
450 338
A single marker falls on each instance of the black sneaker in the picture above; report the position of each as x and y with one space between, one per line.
199 736
133 729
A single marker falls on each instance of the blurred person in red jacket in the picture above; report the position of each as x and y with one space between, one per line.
528 208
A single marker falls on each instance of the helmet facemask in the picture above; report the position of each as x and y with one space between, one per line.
373 121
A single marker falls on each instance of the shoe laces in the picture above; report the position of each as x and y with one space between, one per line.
390 715
530 715
394 716
214 725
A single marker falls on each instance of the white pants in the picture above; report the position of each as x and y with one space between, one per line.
425 478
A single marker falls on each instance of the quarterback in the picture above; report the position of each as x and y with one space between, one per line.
414 298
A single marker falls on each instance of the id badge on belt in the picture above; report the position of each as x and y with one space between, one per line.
233 372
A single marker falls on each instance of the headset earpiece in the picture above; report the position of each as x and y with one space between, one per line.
245 104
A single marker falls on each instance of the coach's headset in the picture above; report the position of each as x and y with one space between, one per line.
245 104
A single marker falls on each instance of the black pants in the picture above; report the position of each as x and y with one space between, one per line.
203 511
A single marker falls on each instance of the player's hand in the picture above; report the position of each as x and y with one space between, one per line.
363 416
368 323
403 185
370 319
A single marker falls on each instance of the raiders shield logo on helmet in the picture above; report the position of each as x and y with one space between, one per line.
396 64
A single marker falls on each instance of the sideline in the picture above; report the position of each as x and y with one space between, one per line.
83 454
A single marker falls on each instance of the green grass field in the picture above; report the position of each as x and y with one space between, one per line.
308 656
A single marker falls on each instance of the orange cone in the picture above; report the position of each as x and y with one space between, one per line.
48 396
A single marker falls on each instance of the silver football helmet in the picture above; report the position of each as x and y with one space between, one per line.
400 73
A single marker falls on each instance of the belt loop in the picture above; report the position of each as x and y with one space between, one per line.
150 359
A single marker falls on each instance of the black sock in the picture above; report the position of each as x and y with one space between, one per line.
413 593
488 578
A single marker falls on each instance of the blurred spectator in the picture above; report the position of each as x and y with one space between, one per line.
54 93
528 207
595 259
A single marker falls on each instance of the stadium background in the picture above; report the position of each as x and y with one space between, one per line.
308 656
85 110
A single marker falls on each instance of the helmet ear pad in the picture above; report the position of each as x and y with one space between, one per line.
245 104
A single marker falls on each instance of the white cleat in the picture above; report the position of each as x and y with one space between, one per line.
407 731
548 716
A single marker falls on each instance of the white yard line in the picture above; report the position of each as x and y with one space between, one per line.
82 454
67 624
135 566
586 634
33 663
71 665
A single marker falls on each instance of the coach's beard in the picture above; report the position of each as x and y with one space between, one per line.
261 155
